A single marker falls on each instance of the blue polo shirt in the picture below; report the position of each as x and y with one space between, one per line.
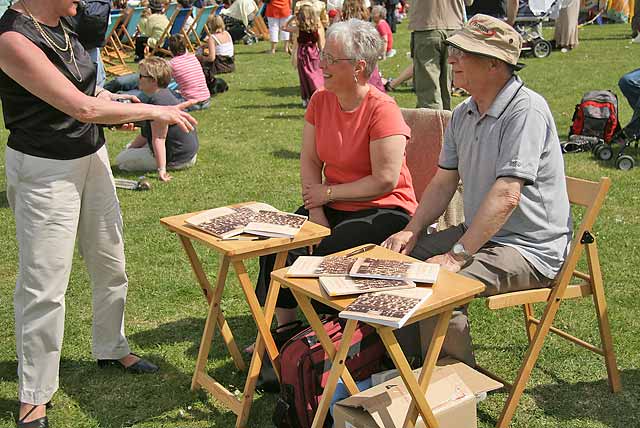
516 137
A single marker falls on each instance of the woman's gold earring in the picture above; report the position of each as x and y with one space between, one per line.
355 78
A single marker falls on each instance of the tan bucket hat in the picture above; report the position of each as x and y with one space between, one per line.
489 36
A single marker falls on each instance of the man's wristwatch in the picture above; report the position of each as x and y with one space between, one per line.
460 253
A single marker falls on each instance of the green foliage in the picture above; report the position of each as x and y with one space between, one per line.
250 140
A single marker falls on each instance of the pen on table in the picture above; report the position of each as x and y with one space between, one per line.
361 250
246 238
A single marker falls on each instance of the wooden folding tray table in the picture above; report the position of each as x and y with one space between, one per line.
235 253
449 292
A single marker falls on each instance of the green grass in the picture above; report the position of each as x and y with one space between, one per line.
250 141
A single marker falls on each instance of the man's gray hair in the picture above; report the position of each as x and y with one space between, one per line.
379 10
360 40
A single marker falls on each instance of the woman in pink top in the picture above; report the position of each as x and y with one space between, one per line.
355 136
188 74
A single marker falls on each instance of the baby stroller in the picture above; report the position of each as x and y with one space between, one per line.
237 18
531 15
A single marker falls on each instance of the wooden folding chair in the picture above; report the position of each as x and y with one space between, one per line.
112 55
198 26
259 28
129 27
171 9
590 195
175 26
427 134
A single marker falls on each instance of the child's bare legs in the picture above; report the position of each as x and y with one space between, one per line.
273 47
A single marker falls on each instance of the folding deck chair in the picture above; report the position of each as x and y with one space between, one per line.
175 26
199 25
171 8
129 28
111 52
589 195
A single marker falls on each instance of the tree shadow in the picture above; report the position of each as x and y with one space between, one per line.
592 400
4 202
285 154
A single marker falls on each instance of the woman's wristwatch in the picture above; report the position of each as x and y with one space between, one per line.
329 196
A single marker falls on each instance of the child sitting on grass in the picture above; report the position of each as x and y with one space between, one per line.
158 147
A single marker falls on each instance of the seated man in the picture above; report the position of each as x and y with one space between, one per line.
630 86
158 147
502 142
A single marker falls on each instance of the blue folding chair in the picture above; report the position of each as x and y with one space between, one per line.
130 27
171 9
199 26
175 26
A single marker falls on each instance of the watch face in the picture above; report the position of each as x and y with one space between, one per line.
458 249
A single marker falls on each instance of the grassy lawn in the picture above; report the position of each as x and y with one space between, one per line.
250 141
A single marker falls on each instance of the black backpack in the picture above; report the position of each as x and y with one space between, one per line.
91 22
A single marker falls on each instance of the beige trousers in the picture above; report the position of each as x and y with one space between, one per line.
54 202
500 268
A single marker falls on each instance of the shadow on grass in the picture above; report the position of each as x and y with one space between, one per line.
279 92
268 107
592 400
190 330
285 116
4 203
285 154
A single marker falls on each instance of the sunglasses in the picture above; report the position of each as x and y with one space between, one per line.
145 75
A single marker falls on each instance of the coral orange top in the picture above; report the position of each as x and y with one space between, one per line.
342 144
278 9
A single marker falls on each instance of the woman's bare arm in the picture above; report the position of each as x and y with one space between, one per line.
22 61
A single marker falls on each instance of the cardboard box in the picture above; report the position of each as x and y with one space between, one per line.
451 395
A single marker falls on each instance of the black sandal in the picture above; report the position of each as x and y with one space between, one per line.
142 366
42 422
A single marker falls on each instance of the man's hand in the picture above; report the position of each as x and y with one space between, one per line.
401 242
447 261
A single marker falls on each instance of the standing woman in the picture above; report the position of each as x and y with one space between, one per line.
59 187
566 31
278 13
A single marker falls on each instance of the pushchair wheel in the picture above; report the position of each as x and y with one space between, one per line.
596 147
541 48
625 162
604 153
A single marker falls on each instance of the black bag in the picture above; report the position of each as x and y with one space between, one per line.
596 116
91 22
215 85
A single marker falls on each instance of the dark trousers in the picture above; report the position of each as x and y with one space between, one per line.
141 43
348 229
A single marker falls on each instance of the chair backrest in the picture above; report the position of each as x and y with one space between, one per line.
179 20
134 19
171 8
427 133
201 20
590 195
114 23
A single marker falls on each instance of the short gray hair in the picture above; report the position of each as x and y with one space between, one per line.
360 40
379 10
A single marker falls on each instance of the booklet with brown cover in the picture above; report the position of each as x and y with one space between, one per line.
392 308
225 222
315 266
344 285
394 269
276 224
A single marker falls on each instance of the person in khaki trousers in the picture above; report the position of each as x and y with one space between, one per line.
60 188
502 143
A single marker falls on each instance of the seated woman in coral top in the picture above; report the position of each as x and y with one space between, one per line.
355 136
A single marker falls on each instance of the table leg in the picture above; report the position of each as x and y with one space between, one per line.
314 321
210 324
258 350
337 367
208 292
401 363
